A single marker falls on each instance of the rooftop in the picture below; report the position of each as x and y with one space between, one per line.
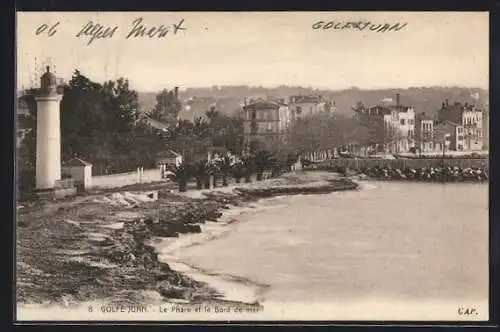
458 107
305 99
262 104
169 154
155 123
424 117
447 123
77 162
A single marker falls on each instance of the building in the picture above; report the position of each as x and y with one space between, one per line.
400 129
424 132
168 157
80 171
486 127
448 135
302 106
265 124
467 116
390 127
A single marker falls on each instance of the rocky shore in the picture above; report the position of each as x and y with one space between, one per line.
99 248
426 174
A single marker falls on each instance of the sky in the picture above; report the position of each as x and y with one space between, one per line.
261 49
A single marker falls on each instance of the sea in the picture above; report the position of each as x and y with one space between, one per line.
389 251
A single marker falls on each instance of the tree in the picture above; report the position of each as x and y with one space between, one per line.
225 165
181 175
100 124
212 114
248 168
201 172
226 131
263 161
325 131
237 171
167 107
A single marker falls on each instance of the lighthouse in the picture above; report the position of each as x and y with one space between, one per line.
48 133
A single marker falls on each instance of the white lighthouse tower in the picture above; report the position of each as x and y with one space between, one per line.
48 133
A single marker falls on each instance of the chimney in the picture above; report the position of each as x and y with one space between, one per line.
397 99
446 102
442 105
319 97
176 92
245 101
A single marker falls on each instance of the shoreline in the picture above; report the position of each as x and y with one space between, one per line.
134 270
269 309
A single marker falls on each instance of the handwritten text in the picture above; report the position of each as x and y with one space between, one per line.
358 25
92 31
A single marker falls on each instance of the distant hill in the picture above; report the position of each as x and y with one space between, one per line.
229 98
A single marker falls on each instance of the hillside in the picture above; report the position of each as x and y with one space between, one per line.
229 98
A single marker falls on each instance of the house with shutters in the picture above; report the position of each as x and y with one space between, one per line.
265 124
469 118
448 135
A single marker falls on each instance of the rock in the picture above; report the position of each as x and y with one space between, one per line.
165 268
171 292
106 242
162 277
193 228
148 221
162 229
23 223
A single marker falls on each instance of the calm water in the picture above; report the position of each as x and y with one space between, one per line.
392 251
401 241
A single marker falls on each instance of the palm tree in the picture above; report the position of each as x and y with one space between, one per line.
181 175
238 171
248 168
201 171
214 170
278 168
206 179
224 165
291 159
263 161
212 113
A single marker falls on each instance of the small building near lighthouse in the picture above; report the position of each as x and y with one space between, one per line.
80 171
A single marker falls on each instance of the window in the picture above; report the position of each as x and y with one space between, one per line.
269 126
402 122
